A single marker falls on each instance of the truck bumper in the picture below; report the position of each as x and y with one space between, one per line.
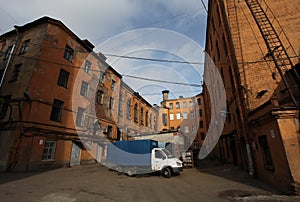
177 169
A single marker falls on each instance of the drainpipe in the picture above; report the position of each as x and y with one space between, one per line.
250 161
10 56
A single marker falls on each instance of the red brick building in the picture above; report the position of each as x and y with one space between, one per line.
255 46
60 101
42 122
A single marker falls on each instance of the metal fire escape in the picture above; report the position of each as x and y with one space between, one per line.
276 49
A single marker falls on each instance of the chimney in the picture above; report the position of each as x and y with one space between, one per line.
165 95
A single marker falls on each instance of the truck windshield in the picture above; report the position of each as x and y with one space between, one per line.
169 155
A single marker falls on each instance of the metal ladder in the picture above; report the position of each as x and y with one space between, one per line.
276 49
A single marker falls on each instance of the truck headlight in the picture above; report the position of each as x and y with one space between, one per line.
179 163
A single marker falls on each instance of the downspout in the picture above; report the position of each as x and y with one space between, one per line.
10 57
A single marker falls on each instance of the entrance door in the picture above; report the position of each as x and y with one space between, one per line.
75 155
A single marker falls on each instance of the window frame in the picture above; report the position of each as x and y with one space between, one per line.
24 47
63 79
80 116
57 109
69 53
49 151
84 89
87 66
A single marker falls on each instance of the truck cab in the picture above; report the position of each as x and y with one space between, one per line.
165 162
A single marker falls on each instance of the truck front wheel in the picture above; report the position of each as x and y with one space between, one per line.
166 172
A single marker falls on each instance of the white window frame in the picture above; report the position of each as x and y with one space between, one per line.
178 116
171 117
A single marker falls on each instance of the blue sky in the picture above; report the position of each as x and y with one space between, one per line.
103 21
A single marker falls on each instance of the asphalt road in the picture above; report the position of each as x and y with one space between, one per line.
97 183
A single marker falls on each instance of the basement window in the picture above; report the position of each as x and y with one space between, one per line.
49 151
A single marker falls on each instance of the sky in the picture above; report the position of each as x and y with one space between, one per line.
168 30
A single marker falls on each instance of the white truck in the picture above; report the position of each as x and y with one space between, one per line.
141 156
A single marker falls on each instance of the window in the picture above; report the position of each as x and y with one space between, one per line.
159 155
202 135
49 151
87 66
102 77
4 106
177 105
142 116
136 113
113 84
185 115
56 112
63 78
263 142
121 105
201 125
80 117
164 119
194 129
99 97
199 101
191 104
8 52
146 118
200 112
192 114
109 131
171 117
84 89
183 104
15 74
69 53
128 105
178 116
111 103
150 121
24 47
171 105
186 129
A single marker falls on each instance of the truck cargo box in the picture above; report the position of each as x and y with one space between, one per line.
131 152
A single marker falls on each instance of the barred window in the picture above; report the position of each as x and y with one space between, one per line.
49 150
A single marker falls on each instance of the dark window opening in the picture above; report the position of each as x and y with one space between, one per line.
63 78
56 112
263 142
15 74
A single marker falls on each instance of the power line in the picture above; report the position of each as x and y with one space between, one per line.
162 81
153 59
